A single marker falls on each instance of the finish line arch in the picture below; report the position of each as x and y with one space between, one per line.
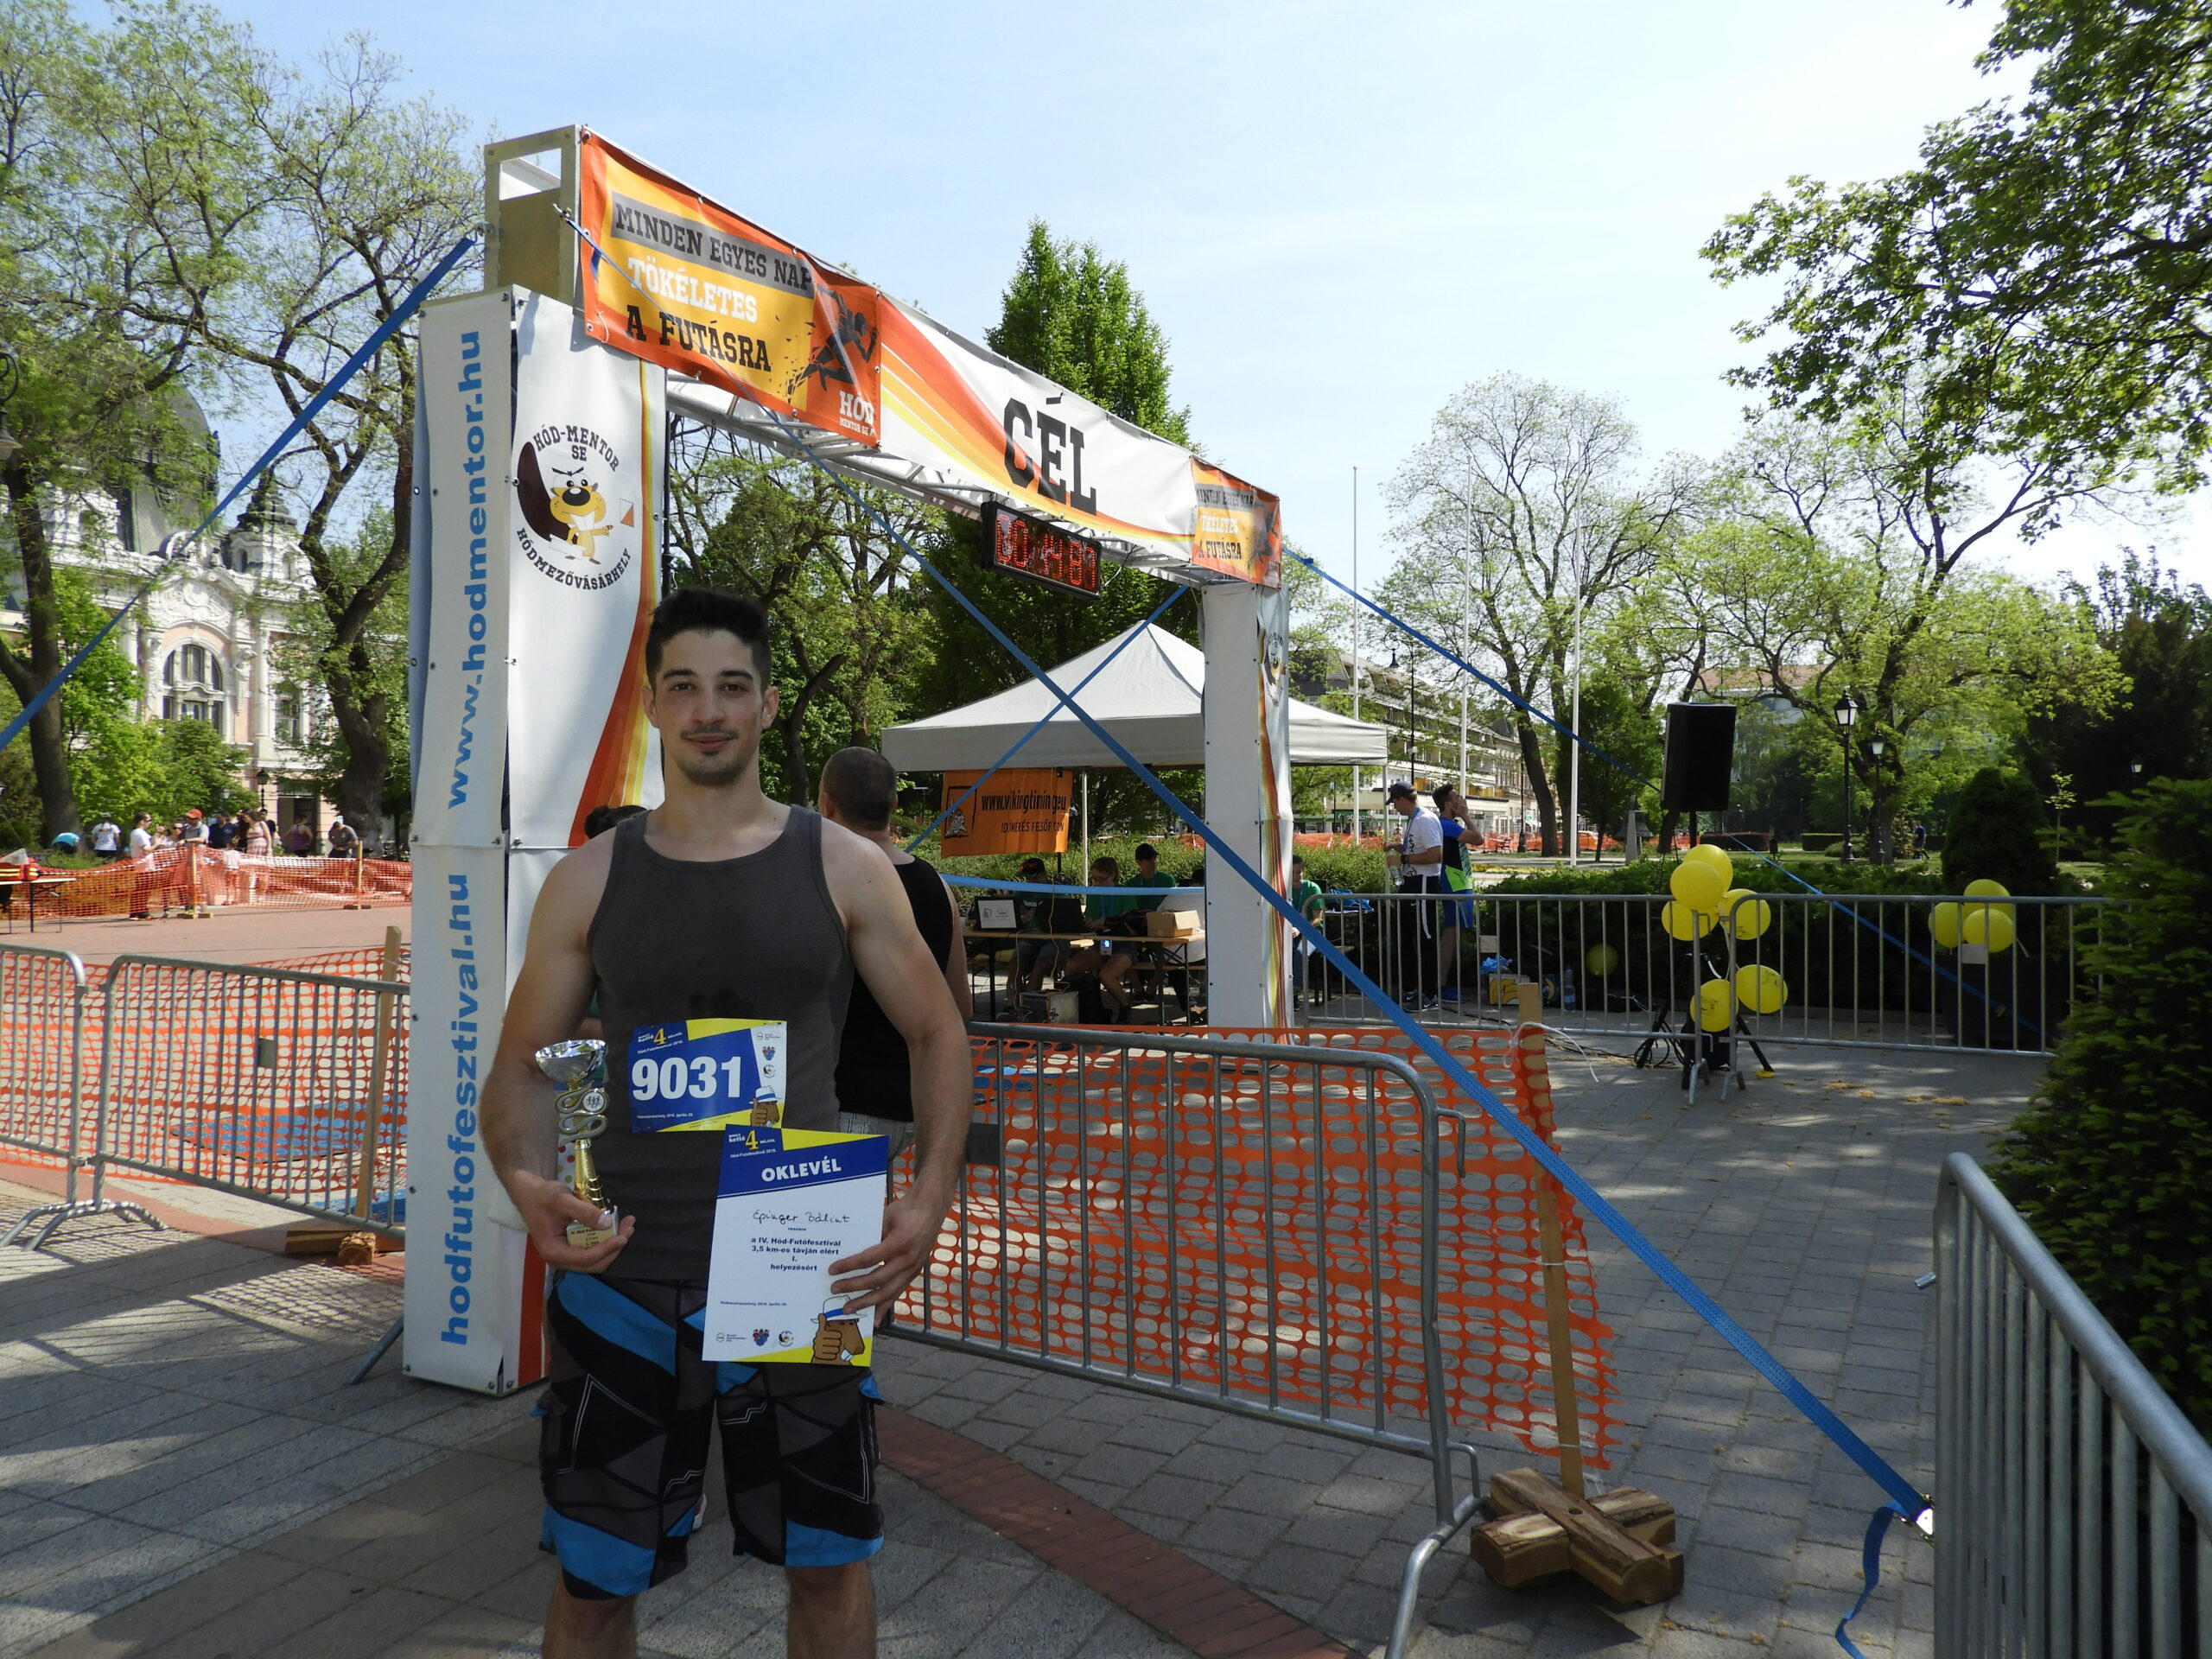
616 298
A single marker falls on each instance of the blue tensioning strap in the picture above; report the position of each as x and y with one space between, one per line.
1900 1491
1466 667
1864 1456
1174 593
353 366
1869 1572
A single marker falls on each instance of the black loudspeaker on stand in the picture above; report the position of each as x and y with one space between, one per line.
1700 754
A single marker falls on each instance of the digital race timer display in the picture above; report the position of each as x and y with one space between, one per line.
1040 553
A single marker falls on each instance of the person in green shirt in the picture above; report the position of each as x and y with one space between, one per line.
1305 894
1124 956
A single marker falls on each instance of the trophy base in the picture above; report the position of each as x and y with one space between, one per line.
584 1238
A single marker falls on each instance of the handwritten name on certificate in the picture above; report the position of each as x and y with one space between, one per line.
781 1217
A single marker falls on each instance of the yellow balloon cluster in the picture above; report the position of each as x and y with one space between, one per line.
1986 924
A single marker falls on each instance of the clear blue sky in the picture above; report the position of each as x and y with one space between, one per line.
1339 214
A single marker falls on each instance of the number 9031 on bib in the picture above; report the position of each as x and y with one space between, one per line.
707 1074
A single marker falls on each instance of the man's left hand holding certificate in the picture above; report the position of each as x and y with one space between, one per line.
791 1204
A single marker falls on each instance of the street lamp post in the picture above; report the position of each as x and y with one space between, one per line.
1846 711
1874 824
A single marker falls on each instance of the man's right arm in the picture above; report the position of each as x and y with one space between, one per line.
549 998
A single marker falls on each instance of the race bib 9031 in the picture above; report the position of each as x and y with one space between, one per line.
707 1074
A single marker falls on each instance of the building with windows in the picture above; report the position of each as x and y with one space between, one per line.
207 641
1437 735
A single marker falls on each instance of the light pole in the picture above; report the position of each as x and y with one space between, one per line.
1355 654
1846 711
1874 824
1574 728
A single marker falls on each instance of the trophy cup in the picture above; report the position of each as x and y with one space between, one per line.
574 1064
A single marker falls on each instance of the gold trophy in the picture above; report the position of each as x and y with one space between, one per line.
576 1066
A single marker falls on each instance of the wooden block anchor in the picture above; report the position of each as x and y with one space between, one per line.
1617 1541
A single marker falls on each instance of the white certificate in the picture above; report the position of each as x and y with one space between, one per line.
783 1215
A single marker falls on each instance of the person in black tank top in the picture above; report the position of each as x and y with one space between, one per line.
718 905
875 1090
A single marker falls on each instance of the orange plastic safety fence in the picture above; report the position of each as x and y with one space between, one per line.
362 962
174 881
1255 1230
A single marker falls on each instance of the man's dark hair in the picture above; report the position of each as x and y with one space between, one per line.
1146 849
1112 867
1442 794
707 610
1032 864
864 786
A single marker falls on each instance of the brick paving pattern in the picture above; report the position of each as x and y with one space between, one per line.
185 1476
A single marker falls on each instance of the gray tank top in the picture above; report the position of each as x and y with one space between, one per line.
754 937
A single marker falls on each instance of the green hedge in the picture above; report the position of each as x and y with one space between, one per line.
2112 1162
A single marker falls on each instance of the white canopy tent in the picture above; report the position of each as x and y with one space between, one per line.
1151 697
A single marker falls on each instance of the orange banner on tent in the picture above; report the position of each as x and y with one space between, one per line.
679 281
1239 527
1017 810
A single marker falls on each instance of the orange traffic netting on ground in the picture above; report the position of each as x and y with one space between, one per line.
174 880
1253 1228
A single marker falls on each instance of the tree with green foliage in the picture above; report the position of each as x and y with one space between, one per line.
1618 720
1996 835
363 191
1072 315
1520 514
2112 1162
2040 279
2157 633
1839 562
851 628
93 398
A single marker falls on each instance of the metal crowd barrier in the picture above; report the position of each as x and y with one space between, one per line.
43 1054
285 1087
1861 970
2075 1500
1264 1271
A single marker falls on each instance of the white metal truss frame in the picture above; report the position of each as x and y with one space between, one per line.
933 486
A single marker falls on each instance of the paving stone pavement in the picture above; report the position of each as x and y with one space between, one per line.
176 1437
185 1475
1804 1205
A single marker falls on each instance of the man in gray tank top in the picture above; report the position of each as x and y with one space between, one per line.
720 905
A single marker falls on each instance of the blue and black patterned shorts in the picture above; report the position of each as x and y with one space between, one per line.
630 1401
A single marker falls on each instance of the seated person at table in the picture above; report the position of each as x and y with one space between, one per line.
1109 914
1035 960
1124 918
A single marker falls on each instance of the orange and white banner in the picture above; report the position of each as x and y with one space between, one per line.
1238 529
968 417
1018 809
582 578
684 282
